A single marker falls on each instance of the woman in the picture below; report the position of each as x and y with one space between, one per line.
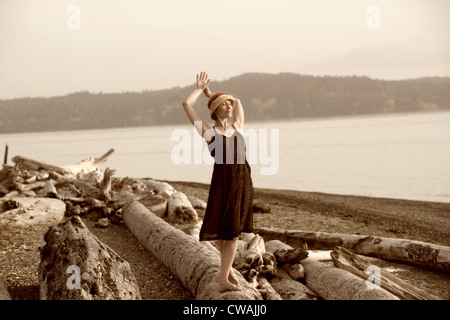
229 208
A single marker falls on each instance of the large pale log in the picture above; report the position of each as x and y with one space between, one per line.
290 289
75 265
417 253
30 164
194 231
89 165
359 266
180 210
162 188
331 283
266 290
193 264
156 204
32 211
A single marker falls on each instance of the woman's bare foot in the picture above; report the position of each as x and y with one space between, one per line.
227 286
232 279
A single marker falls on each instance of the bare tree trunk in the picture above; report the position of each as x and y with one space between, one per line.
75 265
357 265
417 253
30 164
331 283
193 264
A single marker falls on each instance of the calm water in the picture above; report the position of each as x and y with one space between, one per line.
396 156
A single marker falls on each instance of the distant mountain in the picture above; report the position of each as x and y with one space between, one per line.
264 97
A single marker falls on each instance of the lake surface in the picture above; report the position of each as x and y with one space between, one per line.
404 156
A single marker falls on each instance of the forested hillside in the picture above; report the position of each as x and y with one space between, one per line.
264 97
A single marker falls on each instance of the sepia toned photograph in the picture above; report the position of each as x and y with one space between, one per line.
247 151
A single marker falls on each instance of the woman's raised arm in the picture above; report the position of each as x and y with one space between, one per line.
188 104
238 114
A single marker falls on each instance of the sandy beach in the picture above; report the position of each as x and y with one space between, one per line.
311 211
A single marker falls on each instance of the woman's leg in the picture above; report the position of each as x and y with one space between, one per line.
231 277
228 251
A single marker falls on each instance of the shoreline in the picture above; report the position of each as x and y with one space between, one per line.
321 212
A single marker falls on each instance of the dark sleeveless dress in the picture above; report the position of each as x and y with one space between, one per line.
229 207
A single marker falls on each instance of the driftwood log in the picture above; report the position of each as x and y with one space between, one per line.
4 294
289 258
161 188
83 187
417 253
156 204
84 167
359 266
267 291
30 164
105 185
290 289
75 265
331 283
256 264
193 264
180 210
285 284
32 211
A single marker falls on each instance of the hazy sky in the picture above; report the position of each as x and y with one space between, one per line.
132 45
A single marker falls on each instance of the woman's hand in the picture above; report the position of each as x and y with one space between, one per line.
202 81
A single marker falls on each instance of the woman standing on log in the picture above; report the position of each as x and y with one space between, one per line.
229 207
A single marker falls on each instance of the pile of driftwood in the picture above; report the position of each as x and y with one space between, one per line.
280 271
83 187
270 264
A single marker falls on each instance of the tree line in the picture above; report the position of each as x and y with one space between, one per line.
264 97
